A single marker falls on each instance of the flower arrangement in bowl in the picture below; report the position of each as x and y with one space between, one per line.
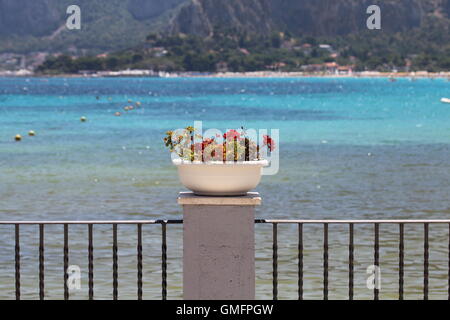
221 165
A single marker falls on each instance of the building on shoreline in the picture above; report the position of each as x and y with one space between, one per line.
331 68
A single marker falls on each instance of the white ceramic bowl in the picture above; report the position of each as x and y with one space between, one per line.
218 178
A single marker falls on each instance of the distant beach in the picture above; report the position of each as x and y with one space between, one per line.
255 74
367 74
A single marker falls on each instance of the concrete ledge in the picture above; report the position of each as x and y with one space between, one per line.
189 198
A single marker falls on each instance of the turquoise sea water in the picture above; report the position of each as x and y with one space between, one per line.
349 149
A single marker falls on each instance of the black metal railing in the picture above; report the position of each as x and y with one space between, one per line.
90 225
275 253
351 247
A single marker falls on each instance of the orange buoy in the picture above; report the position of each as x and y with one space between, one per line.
18 137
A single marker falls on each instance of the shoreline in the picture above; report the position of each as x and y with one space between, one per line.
366 74
254 74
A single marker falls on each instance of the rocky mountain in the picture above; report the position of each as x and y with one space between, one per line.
144 10
108 25
38 18
318 17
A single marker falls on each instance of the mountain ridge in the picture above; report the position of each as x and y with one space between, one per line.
111 25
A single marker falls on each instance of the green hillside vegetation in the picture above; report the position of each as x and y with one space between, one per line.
427 48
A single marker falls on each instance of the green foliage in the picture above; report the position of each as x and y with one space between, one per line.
427 48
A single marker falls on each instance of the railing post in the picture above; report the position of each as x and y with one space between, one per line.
219 247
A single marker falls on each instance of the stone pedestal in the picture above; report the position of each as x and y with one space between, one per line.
219 247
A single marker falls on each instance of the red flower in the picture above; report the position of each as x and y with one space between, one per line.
269 142
231 135
204 144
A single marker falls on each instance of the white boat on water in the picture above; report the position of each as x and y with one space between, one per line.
445 100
